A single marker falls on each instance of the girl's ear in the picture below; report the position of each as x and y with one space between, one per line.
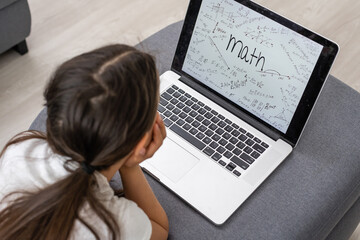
139 151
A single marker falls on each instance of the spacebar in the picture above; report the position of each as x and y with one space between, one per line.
187 136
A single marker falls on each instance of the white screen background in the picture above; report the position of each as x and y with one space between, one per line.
270 88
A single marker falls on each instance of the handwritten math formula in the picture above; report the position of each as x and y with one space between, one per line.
254 61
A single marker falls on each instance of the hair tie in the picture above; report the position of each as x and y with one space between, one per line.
87 167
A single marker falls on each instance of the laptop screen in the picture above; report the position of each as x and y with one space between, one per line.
257 63
254 62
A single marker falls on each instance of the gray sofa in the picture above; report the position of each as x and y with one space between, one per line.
313 194
15 19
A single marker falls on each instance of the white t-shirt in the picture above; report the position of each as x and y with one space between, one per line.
31 165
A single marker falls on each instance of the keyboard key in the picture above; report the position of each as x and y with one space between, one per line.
182 115
228 128
255 155
180 122
228 154
220 150
176 111
214 112
234 125
195 124
199 118
209 133
214 145
235 133
206 140
195 107
189 119
201 104
206 122
200 135
241 145
216 156
175 87
181 91
221 124
228 121
249 135
242 130
247 158
207 108
229 147
194 99
174 101
187 126
249 142
215 119
213 127
174 118
183 99
161 109
226 135
176 95
231 166
180 105
166 96
237 173
222 142
208 115
186 109
237 151
167 122
193 131
187 95
216 137
202 128
170 90
167 114
242 137
222 163
259 148
193 114
221 117
163 101
257 140
170 107
264 145
189 103
219 131
198 144
202 111
248 149
233 140
239 162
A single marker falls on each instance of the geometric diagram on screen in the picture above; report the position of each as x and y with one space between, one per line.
281 115
274 73
220 55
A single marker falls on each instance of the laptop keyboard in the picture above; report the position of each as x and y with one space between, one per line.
230 145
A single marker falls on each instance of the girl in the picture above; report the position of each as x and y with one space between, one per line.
102 117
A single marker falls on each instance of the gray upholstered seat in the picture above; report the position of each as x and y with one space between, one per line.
314 194
15 25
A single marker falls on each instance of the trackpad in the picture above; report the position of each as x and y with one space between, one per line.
172 160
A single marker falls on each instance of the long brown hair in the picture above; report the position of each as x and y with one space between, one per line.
100 104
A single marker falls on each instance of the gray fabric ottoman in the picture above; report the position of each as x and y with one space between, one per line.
314 194
15 25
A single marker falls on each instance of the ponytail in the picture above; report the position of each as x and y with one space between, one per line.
53 210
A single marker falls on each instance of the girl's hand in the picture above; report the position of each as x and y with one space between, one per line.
148 146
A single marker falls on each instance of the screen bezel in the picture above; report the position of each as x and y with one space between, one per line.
312 90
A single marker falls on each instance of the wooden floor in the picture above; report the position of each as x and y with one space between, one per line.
62 29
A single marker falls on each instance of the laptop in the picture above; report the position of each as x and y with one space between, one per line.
241 88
